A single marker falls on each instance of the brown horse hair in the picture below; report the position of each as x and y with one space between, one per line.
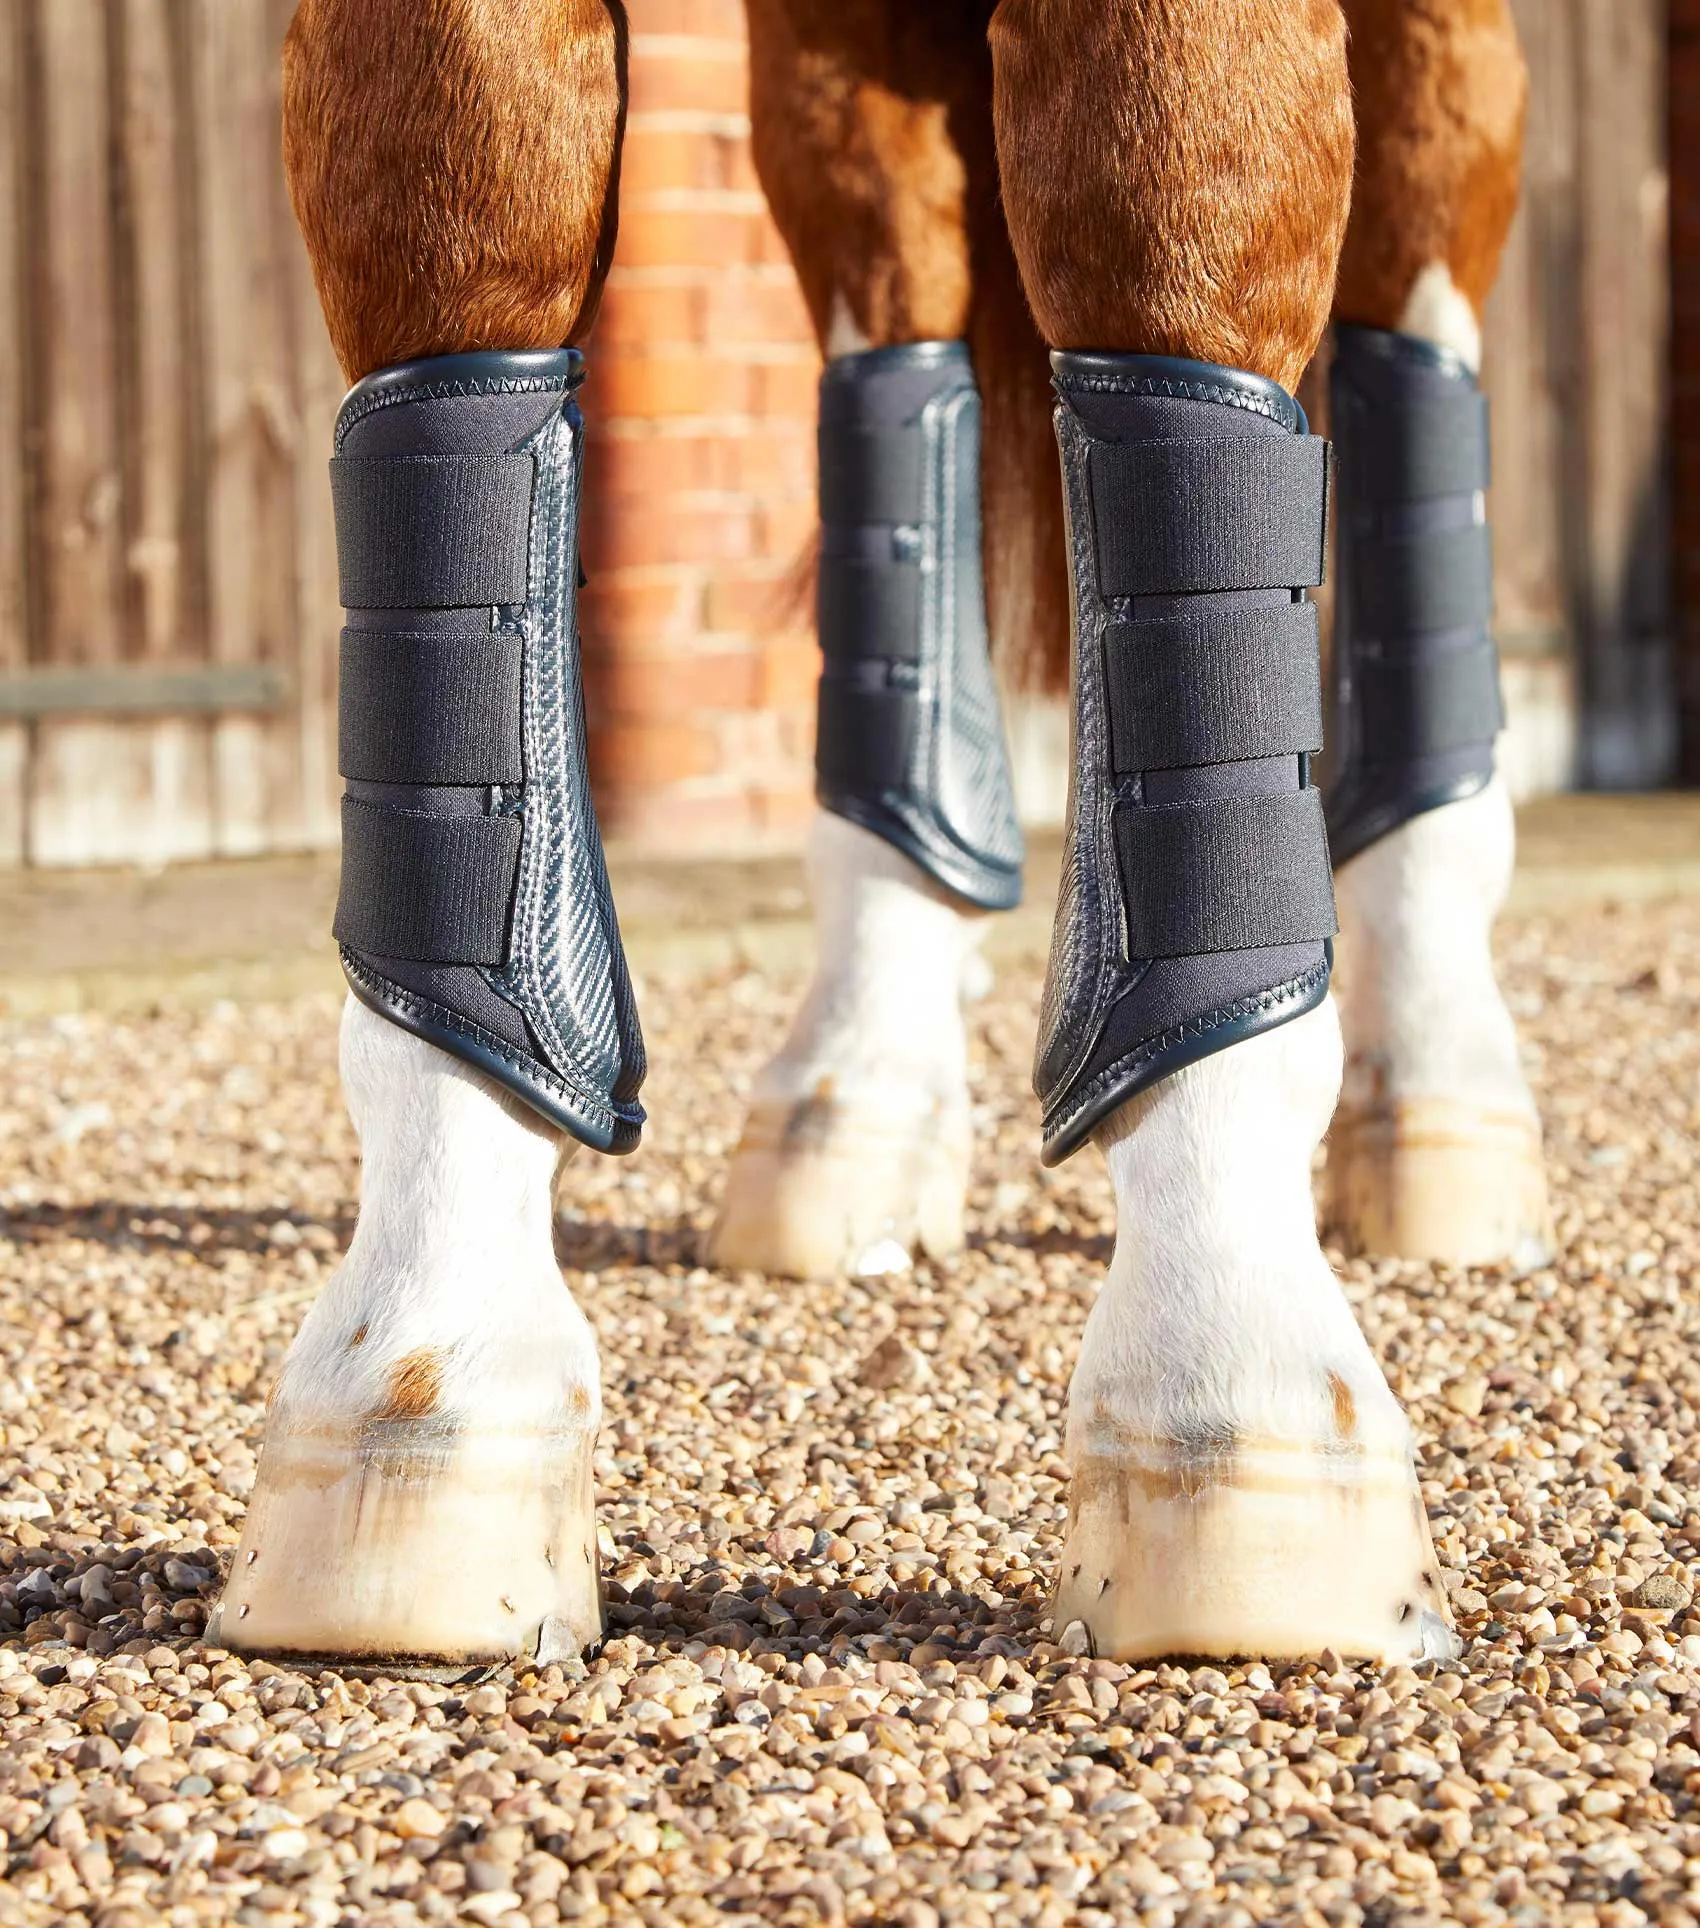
872 134
454 168
1442 90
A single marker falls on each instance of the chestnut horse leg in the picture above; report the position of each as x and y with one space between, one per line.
873 139
1176 174
424 1489
1436 1149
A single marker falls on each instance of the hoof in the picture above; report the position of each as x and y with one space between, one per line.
1276 1552
1430 1179
401 1541
817 1189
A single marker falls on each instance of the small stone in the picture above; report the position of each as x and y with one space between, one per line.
1662 1592
1467 1394
894 1366
1076 1638
417 1820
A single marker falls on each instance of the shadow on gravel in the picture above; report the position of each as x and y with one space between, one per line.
1095 1246
129 1227
811 1616
591 1245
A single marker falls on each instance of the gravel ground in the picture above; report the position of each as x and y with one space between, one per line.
828 1521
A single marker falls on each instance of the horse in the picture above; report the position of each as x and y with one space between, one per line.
1105 234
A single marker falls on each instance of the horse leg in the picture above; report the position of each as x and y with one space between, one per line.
1436 1149
425 1484
872 136
1177 178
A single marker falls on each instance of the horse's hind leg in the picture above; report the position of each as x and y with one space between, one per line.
872 132
1436 1149
425 1486
1177 176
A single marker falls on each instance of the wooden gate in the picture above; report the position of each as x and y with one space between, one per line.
168 607
168 612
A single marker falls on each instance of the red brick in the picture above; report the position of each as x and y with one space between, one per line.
787 527
656 157
710 19
641 686
666 74
679 821
639 532
790 672
757 306
646 754
760 601
661 383
641 314
788 388
612 605
720 238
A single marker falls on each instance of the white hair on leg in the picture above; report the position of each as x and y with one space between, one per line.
1242 1476
1439 311
1436 1151
855 1150
425 1485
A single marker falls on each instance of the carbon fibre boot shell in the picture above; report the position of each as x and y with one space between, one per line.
1415 701
475 909
910 742
1195 907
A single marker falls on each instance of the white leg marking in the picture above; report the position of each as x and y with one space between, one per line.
856 1147
843 337
1436 1149
425 1482
1242 1477
1439 311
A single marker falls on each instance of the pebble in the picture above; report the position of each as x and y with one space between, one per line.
831 1692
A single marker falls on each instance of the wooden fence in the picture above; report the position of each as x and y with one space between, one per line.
168 610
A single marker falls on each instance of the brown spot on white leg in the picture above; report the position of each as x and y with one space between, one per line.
1345 1406
415 1385
359 1339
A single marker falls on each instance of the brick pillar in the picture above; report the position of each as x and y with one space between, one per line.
700 492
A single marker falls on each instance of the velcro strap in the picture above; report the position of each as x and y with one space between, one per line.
1435 579
434 889
1221 688
1427 443
864 735
870 607
432 531
870 474
1238 874
1236 512
1424 704
429 709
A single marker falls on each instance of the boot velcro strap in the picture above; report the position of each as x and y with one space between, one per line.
1231 512
1428 442
434 889
1220 688
864 736
1434 579
1236 874
429 709
1422 705
870 607
871 474
432 531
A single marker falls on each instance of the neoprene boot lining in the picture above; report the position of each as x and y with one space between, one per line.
1196 901
475 909
1415 683
910 741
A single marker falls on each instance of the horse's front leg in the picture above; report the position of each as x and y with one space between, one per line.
1436 1151
1177 179
872 132
425 1483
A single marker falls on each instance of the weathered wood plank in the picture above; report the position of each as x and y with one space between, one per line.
14 604
1629 737
252 427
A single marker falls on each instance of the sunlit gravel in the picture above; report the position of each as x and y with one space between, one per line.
829 1516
